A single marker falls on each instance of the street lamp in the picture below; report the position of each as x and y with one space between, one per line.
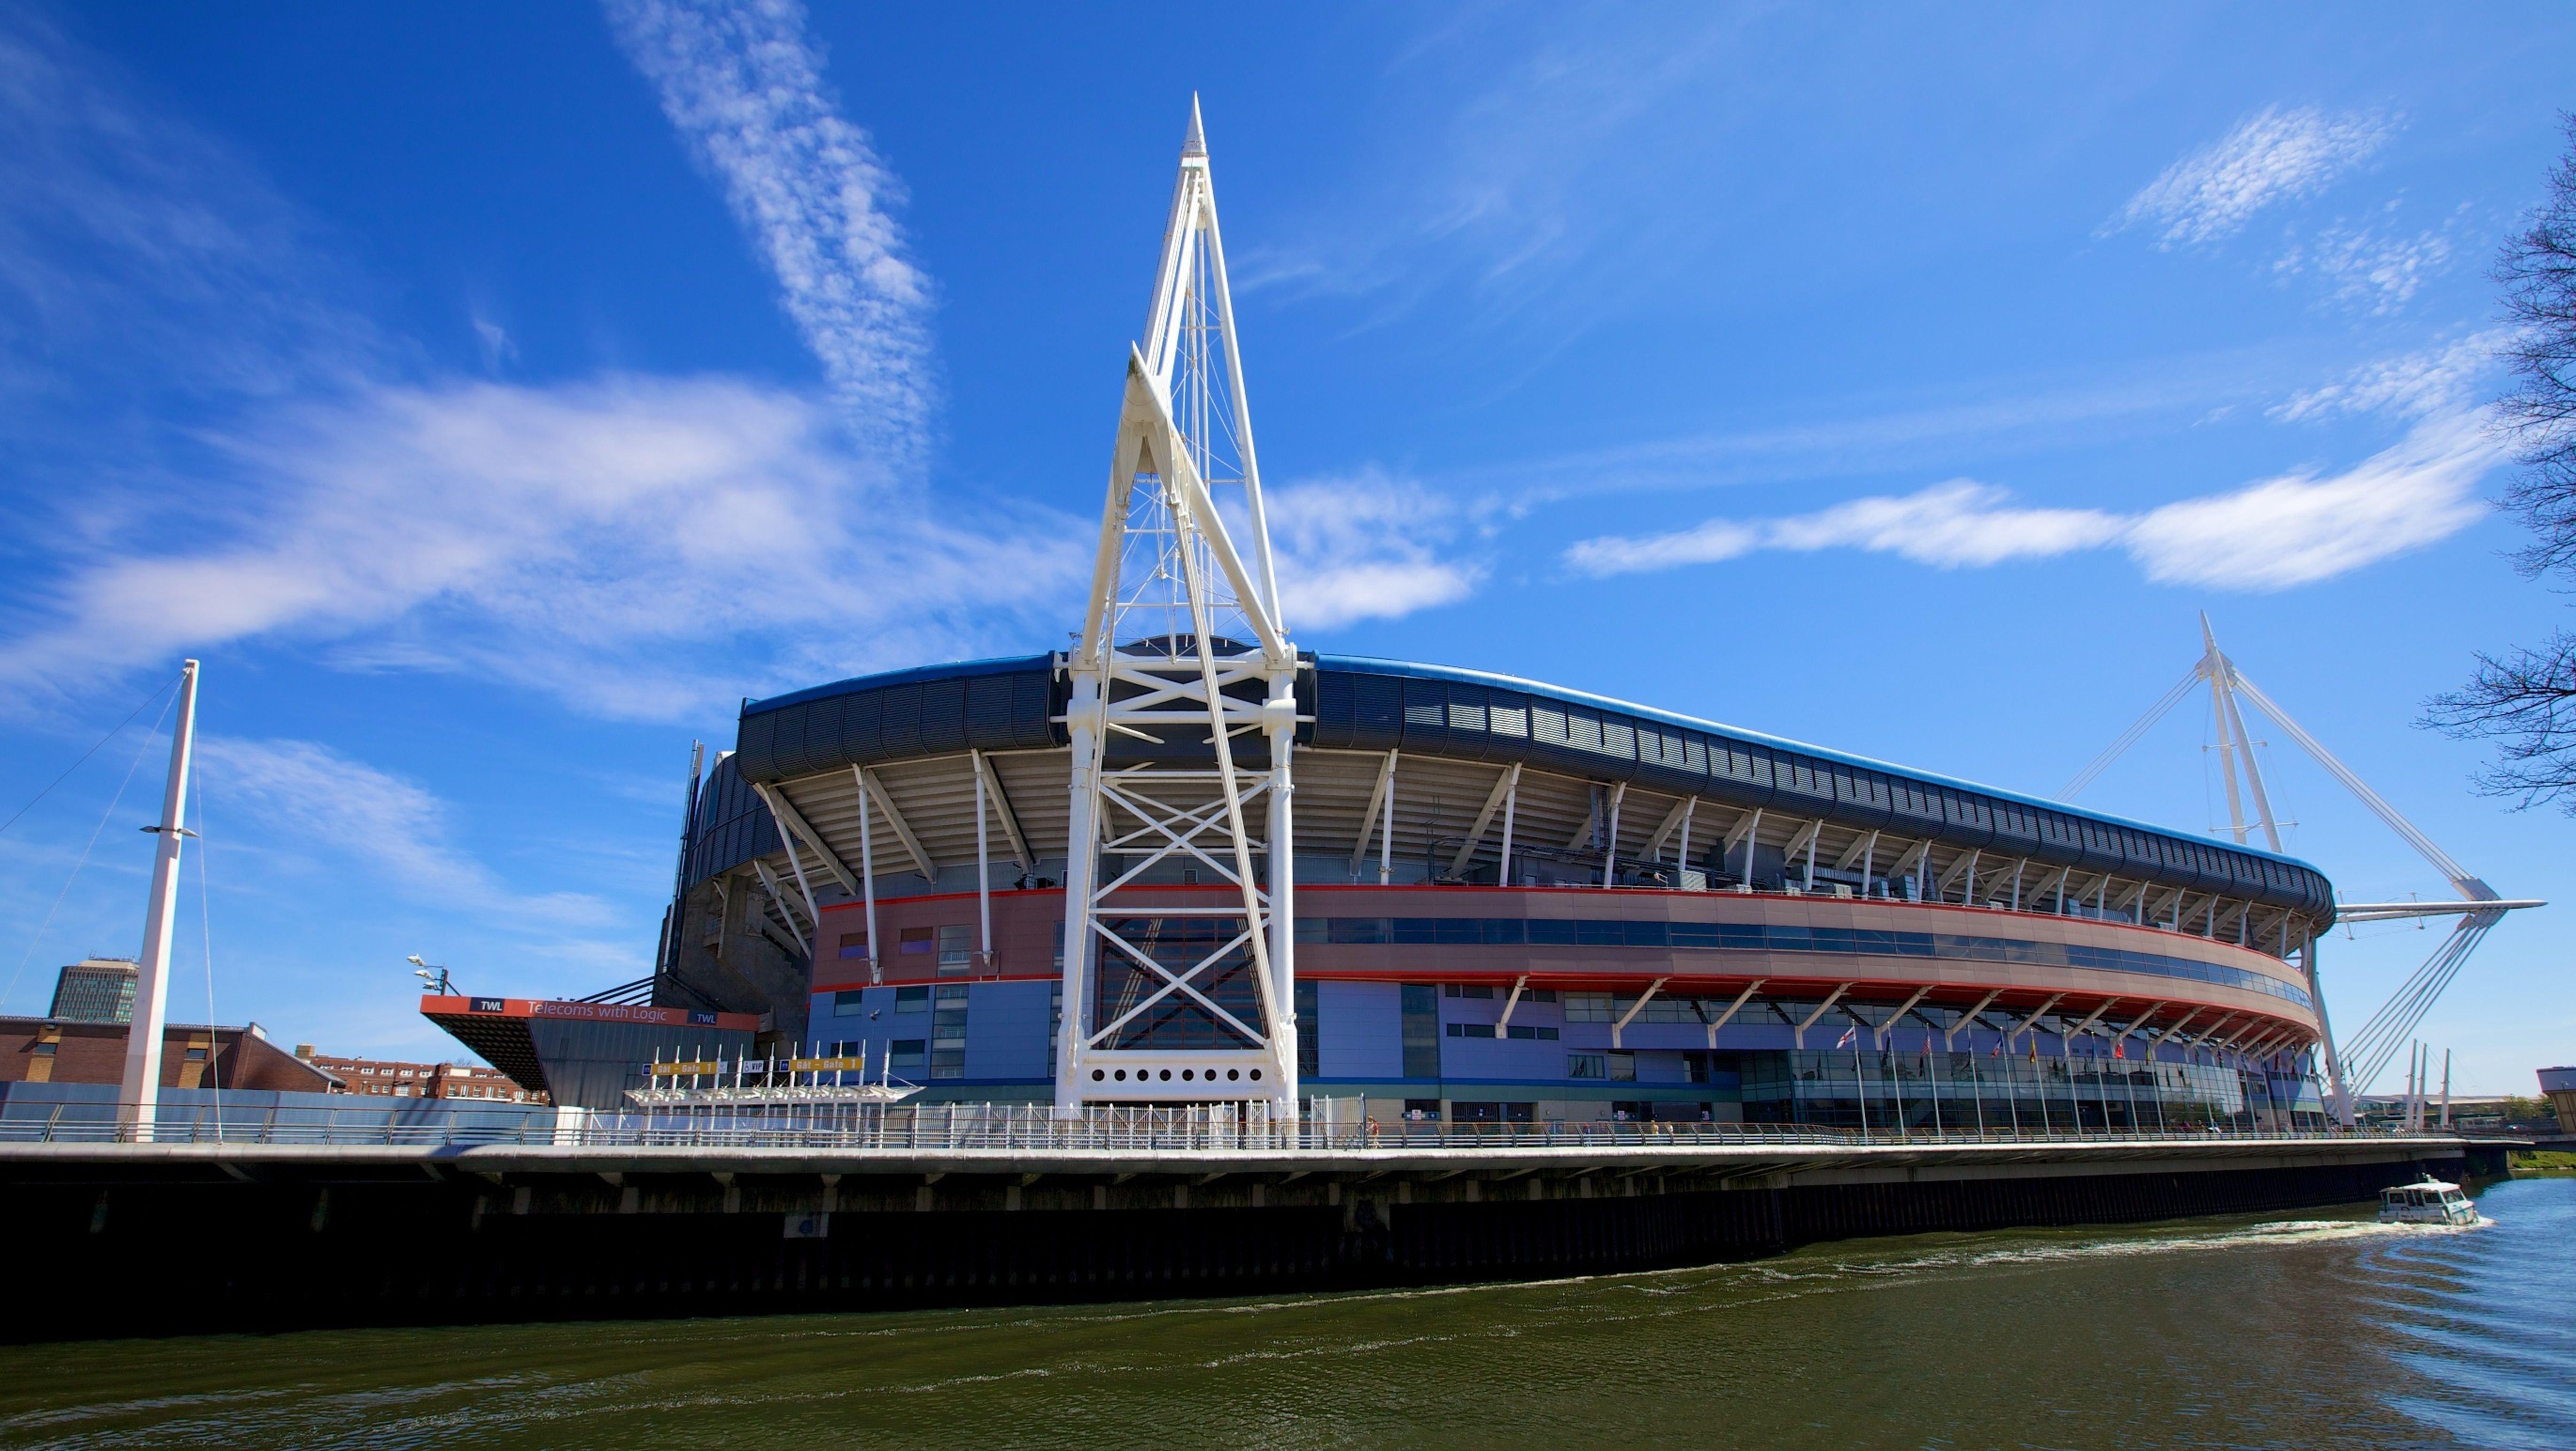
432 974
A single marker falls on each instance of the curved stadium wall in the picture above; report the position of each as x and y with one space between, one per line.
1697 921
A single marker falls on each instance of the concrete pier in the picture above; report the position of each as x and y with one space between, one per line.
281 1236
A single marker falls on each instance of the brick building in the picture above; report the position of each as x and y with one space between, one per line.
53 1050
392 1078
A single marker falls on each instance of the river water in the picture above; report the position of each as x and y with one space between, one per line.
2324 1330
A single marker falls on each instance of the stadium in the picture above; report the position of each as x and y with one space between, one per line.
1512 903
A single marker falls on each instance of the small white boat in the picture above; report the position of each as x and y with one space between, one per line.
2430 1202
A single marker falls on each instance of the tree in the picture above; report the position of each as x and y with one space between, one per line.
2525 700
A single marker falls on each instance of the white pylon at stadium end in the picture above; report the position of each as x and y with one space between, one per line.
1182 718
2352 1062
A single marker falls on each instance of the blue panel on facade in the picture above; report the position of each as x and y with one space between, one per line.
1361 1028
1008 1023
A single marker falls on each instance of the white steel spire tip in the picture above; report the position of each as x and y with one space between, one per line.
1195 143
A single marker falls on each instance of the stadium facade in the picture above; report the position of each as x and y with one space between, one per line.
1514 902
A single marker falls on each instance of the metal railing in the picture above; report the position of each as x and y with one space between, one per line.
1026 1128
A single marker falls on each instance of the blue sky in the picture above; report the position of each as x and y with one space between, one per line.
494 395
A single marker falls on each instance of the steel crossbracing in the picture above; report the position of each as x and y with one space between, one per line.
1183 679
2355 1062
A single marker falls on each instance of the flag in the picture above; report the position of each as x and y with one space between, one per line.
1845 1040
2119 1050
2034 1047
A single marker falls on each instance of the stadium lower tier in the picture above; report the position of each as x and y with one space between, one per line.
1525 1005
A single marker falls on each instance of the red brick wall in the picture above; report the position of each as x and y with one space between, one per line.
95 1053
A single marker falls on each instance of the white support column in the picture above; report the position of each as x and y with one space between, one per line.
1509 1003
1878 1035
868 882
2169 1034
1798 1036
2336 1083
1494 801
983 877
1511 804
2024 1025
1386 828
138 1099
1610 839
1621 1026
1733 1008
1968 1019
1381 807
1750 829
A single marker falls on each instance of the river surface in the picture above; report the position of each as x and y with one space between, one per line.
2323 1330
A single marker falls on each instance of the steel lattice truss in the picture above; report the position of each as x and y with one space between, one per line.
1182 719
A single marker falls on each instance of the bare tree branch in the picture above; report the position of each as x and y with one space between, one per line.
2526 701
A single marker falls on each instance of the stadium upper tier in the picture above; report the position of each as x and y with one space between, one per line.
1598 789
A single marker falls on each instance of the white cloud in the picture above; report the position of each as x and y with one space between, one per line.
2274 155
2299 529
642 547
742 83
2415 385
1949 525
312 804
2270 535
1364 546
2368 267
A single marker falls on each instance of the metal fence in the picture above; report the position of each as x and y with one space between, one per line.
1034 1128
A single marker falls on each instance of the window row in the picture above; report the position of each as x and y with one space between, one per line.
1774 937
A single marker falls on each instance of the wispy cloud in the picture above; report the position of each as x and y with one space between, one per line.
2300 528
1367 545
2372 267
2414 385
310 804
2273 534
744 85
639 546
2275 155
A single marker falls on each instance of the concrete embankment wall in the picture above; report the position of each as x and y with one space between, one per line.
114 1249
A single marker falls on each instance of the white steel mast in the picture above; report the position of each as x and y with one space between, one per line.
2354 1062
1182 717
138 1101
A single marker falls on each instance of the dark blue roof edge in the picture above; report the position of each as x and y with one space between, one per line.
1372 665
963 669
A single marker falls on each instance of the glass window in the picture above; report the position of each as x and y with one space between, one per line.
908 1055
1588 1008
1309 1037
1469 990
849 1004
916 939
854 944
912 1000
1532 1031
1471 1030
1623 1067
1587 1065
956 947
1421 1005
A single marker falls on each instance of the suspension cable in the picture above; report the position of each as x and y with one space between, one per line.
38 940
2129 737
